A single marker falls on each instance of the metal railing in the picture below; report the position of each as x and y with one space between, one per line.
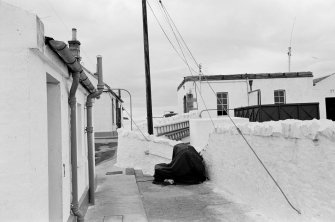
174 131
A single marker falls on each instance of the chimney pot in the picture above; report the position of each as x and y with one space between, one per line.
74 34
74 44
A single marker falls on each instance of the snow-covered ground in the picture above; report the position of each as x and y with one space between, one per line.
142 151
299 154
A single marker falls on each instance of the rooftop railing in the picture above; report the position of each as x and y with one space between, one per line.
173 131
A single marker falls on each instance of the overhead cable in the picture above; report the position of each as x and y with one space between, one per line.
238 129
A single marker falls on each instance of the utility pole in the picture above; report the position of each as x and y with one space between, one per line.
147 68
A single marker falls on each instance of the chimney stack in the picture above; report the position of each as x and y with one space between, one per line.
74 45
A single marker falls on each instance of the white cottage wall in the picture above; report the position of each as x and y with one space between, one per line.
237 95
24 163
324 89
103 116
24 154
59 71
298 90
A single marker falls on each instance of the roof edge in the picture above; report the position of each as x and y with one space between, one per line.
245 76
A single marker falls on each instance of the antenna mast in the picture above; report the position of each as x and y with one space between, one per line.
200 73
289 53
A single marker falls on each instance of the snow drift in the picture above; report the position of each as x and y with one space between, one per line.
299 154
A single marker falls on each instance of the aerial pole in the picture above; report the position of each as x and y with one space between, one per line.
289 53
289 58
147 68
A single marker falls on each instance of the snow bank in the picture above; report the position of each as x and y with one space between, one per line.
177 118
201 128
142 152
299 154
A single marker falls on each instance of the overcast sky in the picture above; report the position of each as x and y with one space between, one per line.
226 37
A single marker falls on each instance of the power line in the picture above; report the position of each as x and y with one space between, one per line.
239 131
188 49
167 37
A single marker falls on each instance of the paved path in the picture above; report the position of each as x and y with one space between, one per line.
122 197
186 203
117 197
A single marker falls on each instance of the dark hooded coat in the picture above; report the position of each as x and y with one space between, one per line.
186 167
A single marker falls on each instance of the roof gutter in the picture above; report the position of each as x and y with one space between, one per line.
71 62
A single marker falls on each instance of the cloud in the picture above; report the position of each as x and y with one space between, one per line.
226 37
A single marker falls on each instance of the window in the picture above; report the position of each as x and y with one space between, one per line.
222 103
189 102
280 96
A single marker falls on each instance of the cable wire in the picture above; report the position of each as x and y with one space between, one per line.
136 125
188 49
238 129
183 57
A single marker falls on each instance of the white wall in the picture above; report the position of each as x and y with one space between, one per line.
299 154
323 89
103 116
298 90
24 165
23 136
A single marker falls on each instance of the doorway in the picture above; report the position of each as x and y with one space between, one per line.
54 149
330 108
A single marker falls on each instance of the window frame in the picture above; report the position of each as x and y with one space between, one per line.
220 103
279 99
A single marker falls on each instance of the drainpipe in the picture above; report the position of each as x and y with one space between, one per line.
74 163
75 68
89 130
259 95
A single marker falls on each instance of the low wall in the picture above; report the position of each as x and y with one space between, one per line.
299 154
139 152
201 128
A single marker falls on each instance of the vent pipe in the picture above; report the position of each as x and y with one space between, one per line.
89 130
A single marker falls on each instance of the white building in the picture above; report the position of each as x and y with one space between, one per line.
324 92
46 155
218 92
107 113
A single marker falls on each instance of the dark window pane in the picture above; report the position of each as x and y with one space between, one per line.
281 93
276 99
